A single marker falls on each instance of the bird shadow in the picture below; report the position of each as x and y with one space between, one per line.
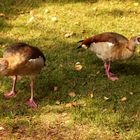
127 68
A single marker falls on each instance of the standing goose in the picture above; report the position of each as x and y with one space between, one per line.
111 46
22 59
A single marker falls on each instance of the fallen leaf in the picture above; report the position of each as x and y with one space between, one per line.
78 66
106 98
95 8
55 88
131 93
67 35
31 12
2 15
91 95
57 102
1 128
123 99
72 94
84 105
61 65
136 4
69 105
104 110
77 23
64 114
54 19
72 104
77 63
98 72
46 11
30 20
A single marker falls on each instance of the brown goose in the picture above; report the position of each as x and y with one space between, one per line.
111 46
22 59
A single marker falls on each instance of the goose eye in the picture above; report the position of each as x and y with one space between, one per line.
138 39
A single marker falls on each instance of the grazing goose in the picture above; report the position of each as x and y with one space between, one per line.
111 46
22 59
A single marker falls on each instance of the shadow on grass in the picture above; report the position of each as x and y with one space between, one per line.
15 7
129 68
59 72
61 57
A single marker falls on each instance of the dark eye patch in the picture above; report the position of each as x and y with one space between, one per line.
138 39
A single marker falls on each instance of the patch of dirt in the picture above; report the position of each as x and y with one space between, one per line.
55 126
3 134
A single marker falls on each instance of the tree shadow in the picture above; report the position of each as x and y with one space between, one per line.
59 71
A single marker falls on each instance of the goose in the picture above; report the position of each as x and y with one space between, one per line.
21 59
109 47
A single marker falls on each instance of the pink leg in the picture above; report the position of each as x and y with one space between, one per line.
12 93
31 102
110 75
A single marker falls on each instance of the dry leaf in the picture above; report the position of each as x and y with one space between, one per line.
1 128
72 104
31 12
123 99
67 35
57 102
69 105
106 98
54 19
55 88
98 72
64 114
78 66
91 95
72 94
136 4
95 8
2 15
77 63
77 23
30 20
46 11
131 93
84 105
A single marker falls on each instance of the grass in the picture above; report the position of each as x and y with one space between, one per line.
87 115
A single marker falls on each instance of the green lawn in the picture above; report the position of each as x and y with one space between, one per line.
96 109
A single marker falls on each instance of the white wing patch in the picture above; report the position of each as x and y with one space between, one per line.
103 50
110 44
84 46
37 61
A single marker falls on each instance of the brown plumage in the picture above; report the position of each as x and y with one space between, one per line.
21 59
110 46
